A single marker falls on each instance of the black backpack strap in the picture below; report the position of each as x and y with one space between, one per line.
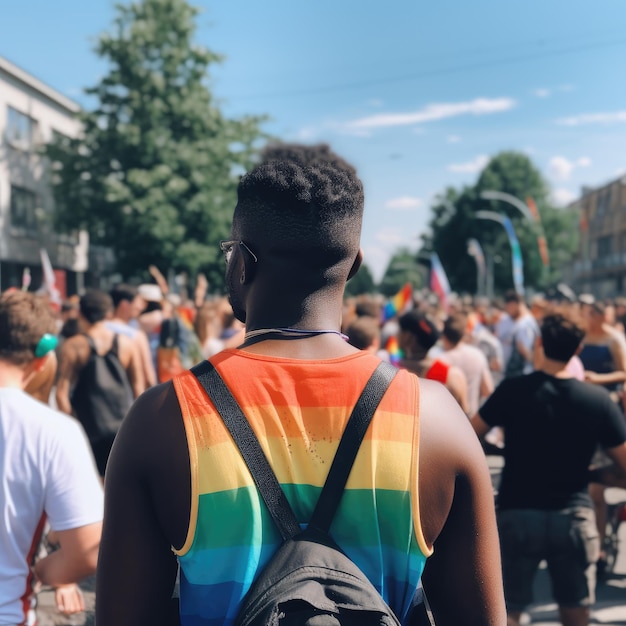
349 445
250 449
259 467
91 342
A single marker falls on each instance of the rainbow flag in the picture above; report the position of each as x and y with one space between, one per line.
393 350
398 303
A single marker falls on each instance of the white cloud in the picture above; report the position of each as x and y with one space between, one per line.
403 203
615 117
471 167
306 134
430 113
453 139
562 197
561 168
542 93
391 236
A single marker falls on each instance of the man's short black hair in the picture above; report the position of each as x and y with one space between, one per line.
421 327
95 305
368 308
561 337
454 328
513 296
301 206
363 332
122 293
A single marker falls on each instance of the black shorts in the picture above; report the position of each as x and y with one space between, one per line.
566 539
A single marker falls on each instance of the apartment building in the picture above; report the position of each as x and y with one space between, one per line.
31 113
600 268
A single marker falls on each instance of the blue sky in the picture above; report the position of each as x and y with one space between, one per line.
416 95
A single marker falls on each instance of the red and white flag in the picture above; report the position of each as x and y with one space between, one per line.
439 281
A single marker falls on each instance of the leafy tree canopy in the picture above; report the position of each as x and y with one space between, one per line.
362 282
453 222
154 173
403 268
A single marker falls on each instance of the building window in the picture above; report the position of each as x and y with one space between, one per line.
23 208
605 247
21 130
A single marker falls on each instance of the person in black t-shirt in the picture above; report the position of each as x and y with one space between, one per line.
552 424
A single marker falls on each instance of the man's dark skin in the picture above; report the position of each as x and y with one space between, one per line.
148 481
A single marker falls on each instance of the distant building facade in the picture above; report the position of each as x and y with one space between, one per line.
600 267
31 114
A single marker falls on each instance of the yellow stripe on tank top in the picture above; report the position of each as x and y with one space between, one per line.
319 424
295 462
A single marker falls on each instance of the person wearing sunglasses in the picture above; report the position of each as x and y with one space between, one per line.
178 492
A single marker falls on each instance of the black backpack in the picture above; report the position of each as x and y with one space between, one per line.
103 394
309 580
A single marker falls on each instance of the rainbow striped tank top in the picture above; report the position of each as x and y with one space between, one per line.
298 410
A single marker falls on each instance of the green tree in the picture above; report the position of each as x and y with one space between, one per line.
362 282
154 173
453 222
403 268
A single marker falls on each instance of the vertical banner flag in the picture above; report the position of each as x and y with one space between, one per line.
49 279
399 302
541 239
26 278
475 250
516 252
438 280
516 255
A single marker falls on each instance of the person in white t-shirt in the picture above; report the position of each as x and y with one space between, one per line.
47 472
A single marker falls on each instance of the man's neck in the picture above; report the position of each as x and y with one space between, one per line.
558 369
318 311
11 376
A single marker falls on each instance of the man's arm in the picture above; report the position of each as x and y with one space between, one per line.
67 372
75 559
145 358
486 382
613 475
147 484
133 365
458 517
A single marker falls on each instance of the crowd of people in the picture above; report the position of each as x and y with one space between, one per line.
185 534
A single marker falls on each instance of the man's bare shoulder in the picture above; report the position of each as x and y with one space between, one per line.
151 452
449 450
75 350
443 423
149 430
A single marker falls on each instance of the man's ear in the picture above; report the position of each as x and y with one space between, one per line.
248 271
34 368
357 264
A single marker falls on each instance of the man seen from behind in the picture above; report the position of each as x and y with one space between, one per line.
552 425
178 491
